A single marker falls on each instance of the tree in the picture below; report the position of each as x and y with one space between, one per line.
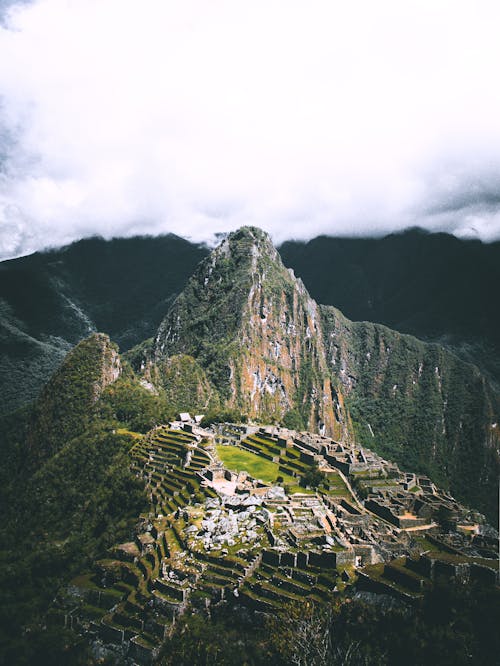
444 517
304 635
293 420
313 478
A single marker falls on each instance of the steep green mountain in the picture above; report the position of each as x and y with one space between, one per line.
269 350
68 402
258 339
257 333
49 301
67 491
418 404
432 285
185 385
243 335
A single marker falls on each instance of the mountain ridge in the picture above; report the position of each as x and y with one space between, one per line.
433 286
50 301
256 331
71 395
244 334
268 349
254 341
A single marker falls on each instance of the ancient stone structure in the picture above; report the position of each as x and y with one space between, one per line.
216 535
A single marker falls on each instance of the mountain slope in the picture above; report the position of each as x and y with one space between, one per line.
254 329
432 285
269 349
68 401
67 491
50 301
419 404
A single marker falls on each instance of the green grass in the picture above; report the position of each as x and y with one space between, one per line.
336 486
426 545
85 581
124 431
238 460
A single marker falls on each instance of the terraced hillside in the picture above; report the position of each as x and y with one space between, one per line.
133 596
127 599
298 527
271 352
169 460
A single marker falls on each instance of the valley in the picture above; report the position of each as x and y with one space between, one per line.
331 469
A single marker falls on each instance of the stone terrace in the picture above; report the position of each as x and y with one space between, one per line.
215 535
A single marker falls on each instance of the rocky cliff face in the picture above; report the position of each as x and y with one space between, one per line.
431 285
254 328
268 348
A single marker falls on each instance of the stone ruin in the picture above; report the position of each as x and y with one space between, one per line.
219 536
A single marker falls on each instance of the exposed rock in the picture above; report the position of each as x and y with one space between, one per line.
270 350
255 330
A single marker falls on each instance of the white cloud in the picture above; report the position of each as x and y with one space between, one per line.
301 117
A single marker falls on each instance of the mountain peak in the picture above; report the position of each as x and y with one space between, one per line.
68 400
272 353
250 232
246 242
255 330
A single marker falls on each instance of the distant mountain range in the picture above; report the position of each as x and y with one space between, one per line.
50 301
232 336
433 286
267 349
244 334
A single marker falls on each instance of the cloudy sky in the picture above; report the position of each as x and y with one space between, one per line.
195 117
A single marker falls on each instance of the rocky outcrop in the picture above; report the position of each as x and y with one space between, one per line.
258 334
68 401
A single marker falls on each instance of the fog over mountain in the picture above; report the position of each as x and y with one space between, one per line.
357 119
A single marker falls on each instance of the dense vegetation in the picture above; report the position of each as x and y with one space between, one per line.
68 401
80 498
227 415
132 406
57 522
49 301
185 385
68 492
293 420
418 404
455 625
431 285
205 320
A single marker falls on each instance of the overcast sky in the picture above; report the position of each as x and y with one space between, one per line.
195 117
